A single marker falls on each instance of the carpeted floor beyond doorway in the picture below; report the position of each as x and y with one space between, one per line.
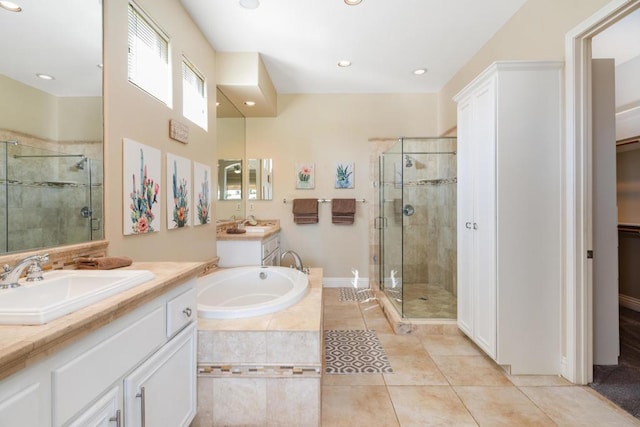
621 383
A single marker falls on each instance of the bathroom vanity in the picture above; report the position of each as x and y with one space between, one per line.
259 245
109 363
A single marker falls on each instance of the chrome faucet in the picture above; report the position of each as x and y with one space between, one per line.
296 259
9 278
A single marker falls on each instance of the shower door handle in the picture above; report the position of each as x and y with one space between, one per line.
408 210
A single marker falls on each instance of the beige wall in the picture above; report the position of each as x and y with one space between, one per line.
536 32
131 113
325 129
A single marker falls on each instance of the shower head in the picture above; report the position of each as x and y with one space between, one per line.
81 163
408 161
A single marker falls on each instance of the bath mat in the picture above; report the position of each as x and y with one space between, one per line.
352 294
354 352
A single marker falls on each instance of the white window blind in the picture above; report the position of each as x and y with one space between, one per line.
148 56
194 95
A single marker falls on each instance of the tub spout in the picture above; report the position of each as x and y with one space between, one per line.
296 259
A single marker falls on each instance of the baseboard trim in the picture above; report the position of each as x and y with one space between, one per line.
629 302
344 282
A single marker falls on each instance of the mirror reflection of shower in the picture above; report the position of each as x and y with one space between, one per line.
56 197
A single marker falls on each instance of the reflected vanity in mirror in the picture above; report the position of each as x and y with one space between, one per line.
51 130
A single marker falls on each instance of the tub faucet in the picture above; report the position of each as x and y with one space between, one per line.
296 259
9 278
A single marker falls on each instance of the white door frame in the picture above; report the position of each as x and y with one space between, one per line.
577 365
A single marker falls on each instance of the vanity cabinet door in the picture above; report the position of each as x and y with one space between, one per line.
162 391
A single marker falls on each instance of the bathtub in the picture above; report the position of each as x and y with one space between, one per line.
239 292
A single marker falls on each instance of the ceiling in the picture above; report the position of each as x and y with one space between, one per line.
301 41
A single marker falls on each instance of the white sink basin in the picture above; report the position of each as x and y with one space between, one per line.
256 228
62 292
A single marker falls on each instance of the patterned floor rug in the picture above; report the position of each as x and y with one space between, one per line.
354 352
352 294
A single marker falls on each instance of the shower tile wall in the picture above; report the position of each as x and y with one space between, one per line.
44 196
430 233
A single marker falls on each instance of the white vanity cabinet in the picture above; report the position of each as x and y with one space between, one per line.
509 214
252 250
96 381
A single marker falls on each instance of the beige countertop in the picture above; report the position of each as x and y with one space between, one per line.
20 346
223 235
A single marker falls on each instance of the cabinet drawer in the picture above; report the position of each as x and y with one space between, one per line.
180 311
269 246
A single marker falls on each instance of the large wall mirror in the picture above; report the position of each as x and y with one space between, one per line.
51 128
230 125
239 179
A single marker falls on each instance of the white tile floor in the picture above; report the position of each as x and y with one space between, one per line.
446 380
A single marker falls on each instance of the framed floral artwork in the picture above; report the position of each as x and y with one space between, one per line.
344 175
141 188
178 191
202 194
305 175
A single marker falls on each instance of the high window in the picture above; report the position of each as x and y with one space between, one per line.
194 95
148 56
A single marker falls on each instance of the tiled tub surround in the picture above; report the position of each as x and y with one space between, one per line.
263 370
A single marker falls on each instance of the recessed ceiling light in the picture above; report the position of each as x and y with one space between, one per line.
344 63
249 4
45 76
10 6
249 103
353 2
419 71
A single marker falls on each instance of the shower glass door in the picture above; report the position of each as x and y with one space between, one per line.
390 223
418 227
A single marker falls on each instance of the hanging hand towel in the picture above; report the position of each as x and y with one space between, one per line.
343 211
305 211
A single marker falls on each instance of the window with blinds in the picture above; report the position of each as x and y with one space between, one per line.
194 95
148 56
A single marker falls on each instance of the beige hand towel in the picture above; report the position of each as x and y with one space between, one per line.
305 211
102 263
343 211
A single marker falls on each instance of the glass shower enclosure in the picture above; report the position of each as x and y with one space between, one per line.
48 198
417 227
